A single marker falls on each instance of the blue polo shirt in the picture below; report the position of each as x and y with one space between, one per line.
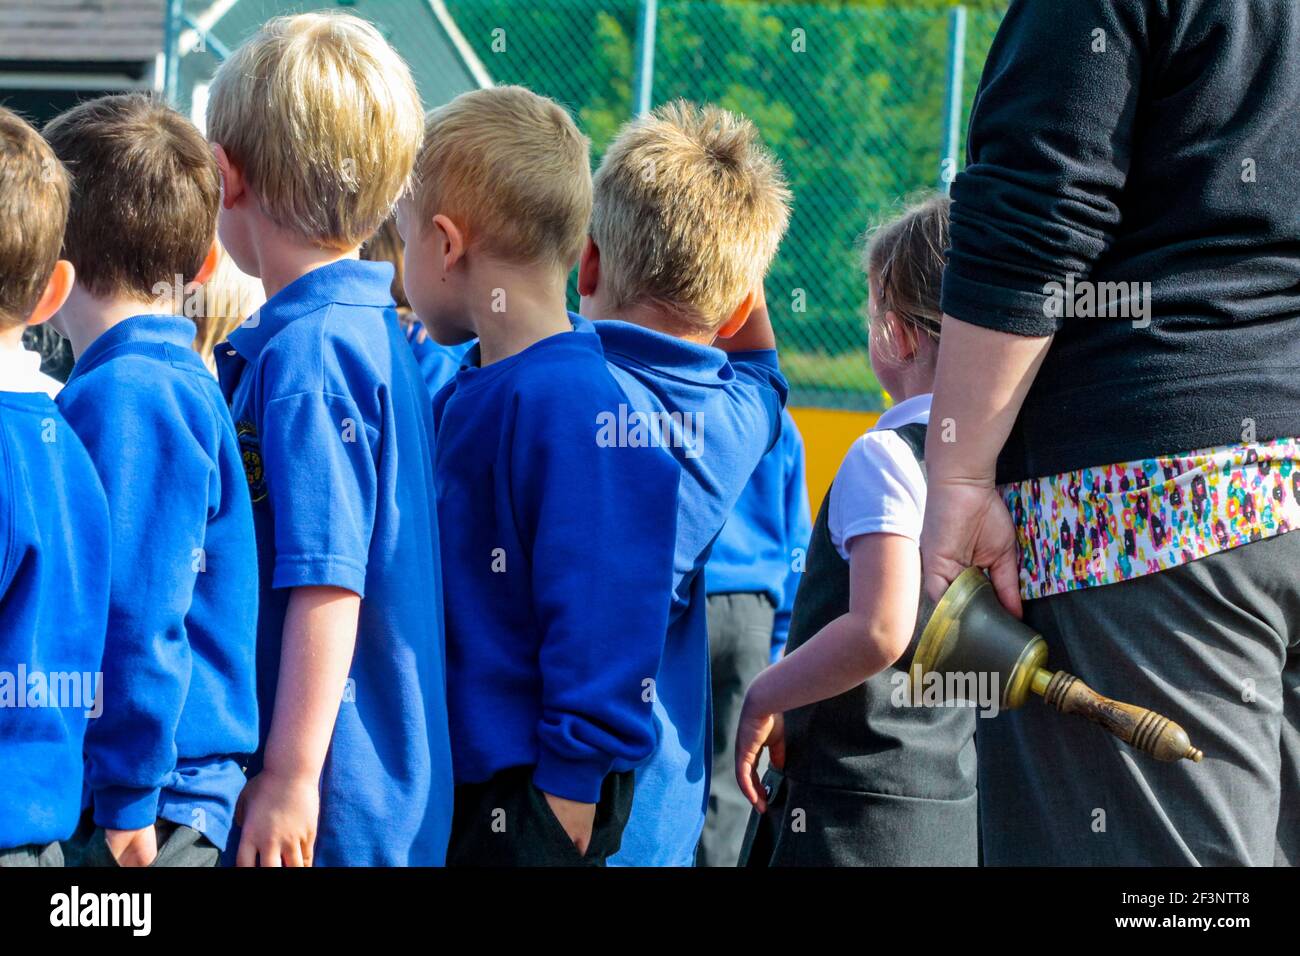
728 414
438 363
337 436
54 578
763 544
557 548
181 712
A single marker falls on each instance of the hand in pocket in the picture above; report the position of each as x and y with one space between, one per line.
578 819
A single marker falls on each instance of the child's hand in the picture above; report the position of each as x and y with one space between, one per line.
133 847
578 819
278 814
757 730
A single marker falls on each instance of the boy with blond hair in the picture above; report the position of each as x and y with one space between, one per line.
689 210
163 762
315 123
53 525
557 545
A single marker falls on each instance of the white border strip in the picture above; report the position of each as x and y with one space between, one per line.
467 54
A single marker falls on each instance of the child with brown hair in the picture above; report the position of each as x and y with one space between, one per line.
860 776
54 532
163 762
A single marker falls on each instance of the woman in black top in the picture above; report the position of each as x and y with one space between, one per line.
1121 365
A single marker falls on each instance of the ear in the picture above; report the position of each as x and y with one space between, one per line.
232 180
209 266
589 269
452 239
903 337
56 292
739 317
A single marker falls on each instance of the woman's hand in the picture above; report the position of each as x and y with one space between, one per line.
757 730
967 523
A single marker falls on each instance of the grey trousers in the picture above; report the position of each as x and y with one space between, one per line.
1213 645
740 645
178 846
49 855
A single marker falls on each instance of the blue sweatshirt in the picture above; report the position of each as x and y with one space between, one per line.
557 548
337 434
180 713
723 416
54 568
763 545
438 363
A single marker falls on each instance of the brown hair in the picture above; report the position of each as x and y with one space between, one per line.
145 190
33 211
512 170
906 257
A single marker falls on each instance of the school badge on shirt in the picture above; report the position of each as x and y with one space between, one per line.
251 452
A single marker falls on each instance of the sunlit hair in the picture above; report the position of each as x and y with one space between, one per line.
229 298
321 116
510 168
904 261
690 207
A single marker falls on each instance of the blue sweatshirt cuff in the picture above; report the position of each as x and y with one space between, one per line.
572 778
125 808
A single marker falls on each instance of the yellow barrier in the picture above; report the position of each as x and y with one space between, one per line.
827 436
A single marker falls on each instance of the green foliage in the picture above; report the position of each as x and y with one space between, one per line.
850 96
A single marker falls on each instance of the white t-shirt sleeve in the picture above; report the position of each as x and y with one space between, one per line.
880 489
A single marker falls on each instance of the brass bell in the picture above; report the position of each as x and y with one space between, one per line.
970 632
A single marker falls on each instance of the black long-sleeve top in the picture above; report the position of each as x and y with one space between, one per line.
1138 141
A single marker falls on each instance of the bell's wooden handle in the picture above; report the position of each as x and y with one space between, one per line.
1142 729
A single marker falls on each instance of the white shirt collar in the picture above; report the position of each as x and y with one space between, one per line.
913 410
20 371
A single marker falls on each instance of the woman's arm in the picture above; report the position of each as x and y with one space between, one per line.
885 580
980 384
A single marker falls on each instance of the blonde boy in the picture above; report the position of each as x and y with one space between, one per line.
689 211
557 548
315 122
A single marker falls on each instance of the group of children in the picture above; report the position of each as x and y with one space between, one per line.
331 619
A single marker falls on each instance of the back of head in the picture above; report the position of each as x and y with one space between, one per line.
144 198
386 246
33 211
323 120
510 168
689 210
229 298
904 262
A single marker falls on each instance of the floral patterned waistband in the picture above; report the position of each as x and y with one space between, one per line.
1101 525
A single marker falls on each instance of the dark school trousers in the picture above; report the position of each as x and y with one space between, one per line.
178 846
32 855
1212 645
506 821
740 646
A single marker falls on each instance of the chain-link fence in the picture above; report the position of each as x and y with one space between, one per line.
856 101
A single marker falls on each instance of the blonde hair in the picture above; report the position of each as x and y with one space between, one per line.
906 257
229 298
510 168
323 119
689 210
